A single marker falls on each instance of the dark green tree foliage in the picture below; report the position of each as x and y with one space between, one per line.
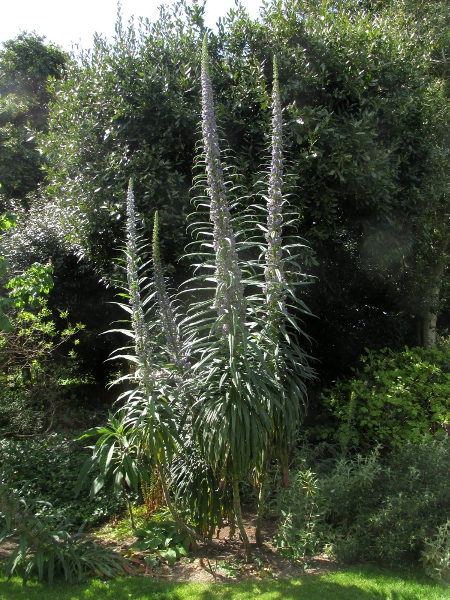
26 64
365 101
363 138
367 132
128 108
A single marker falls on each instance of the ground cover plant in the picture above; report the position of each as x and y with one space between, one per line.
46 468
45 547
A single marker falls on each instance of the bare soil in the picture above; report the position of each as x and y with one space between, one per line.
228 563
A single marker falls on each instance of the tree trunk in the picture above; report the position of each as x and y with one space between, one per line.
429 316
429 329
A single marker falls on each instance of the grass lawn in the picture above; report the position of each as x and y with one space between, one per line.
351 584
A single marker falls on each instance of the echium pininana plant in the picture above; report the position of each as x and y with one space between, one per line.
274 267
139 327
284 355
234 387
242 392
229 293
167 316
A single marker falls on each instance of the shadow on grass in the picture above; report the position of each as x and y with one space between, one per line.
275 590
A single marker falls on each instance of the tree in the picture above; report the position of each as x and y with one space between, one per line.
26 64
366 117
430 28
368 125
127 109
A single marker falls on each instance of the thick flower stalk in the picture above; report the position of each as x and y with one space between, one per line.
166 313
141 340
229 294
274 268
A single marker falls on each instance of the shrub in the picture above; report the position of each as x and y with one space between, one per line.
370 508
47 467
301 530
395 397
385 511
45 545
436 554
36 361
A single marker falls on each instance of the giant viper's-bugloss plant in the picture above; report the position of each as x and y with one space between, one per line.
141 437
148 403
278 274
282 275
275 281
235 389
230 373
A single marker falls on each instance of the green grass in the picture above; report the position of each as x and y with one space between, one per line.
352 584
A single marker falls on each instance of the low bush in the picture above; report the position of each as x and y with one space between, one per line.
47 467
436 554
45 546
384 510
395 397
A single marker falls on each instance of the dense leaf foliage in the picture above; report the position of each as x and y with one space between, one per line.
126 109
46 468
368 508
393 398
26 64
366 107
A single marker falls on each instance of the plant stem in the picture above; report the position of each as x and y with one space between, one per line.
240 522
130 509
261 502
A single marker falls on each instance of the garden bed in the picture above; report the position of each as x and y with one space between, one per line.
205 564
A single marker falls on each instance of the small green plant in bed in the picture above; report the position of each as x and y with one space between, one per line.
44 545
301 531
157 535
163 538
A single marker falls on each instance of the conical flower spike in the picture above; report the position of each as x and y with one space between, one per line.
142 345
229 294
274 269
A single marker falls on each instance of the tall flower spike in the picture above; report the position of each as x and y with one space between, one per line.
274 269
167 316
141 341
229 293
